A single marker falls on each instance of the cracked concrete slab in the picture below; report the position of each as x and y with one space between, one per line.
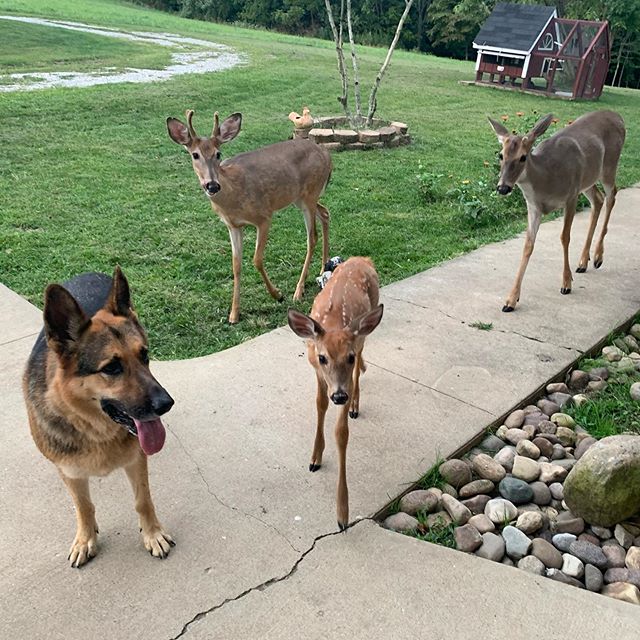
232 483
215 558
372 583
490 370
473 287
259 426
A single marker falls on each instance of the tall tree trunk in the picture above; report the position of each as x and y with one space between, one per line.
374 90
354 62
337 38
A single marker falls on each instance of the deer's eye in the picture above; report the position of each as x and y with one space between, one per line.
322 359
500 156
351 358
523 158
218 155
112 368
195 156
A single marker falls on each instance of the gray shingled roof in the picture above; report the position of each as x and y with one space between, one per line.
514 26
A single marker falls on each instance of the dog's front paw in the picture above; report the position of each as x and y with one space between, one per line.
157 542
83 549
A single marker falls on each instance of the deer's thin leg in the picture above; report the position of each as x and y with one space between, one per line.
322 402
610 199
527 250
354 407
342 440
235 233
262 233
596 200
565 238
312 239
85 544
323 214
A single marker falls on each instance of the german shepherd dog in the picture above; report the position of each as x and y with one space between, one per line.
92 402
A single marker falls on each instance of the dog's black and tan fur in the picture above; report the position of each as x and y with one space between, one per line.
87 388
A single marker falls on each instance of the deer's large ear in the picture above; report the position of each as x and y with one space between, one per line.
178 131
501 131
303 325
230 128
64 320
367 322
119 300
539 128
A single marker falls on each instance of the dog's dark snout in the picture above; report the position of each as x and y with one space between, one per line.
161 401
339 397
503 189
212 187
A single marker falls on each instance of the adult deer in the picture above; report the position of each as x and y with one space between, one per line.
249 188
344 313
553 175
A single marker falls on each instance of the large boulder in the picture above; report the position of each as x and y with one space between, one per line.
604 485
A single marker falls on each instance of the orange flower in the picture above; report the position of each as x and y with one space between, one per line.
569 121
555 121
519 113
504 118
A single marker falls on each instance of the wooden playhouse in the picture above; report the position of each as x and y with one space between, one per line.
528 47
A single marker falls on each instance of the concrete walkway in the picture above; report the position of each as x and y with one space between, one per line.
257 553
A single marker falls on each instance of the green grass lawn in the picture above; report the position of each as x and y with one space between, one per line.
32 47
90 178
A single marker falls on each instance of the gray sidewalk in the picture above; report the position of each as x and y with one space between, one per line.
232 486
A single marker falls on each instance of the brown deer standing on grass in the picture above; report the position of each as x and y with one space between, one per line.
250 187
344 313
555 173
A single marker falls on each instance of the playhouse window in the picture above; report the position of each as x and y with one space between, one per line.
547 42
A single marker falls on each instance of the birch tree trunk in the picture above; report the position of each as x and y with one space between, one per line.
374 90
354 62
337 37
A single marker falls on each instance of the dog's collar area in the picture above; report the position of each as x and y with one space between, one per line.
119 416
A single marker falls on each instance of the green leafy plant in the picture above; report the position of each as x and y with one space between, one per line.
483 326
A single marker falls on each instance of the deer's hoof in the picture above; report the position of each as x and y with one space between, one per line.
597 264
353 414
565 291
314 467
343 526
508 308
581 270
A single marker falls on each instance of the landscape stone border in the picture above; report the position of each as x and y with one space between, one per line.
335 134
505 497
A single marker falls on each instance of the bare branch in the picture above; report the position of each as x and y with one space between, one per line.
385 64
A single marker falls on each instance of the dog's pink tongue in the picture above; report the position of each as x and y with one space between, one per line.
151 435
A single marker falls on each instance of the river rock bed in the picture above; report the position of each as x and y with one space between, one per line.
504 501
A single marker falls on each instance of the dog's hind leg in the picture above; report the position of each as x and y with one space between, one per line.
85 544
156 541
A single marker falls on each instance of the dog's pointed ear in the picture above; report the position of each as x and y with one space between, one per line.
119 301
303 325
64 320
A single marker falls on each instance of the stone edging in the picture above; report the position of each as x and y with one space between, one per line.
332 134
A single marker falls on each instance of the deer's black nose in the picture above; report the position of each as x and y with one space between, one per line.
212 187
503 189
339 397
